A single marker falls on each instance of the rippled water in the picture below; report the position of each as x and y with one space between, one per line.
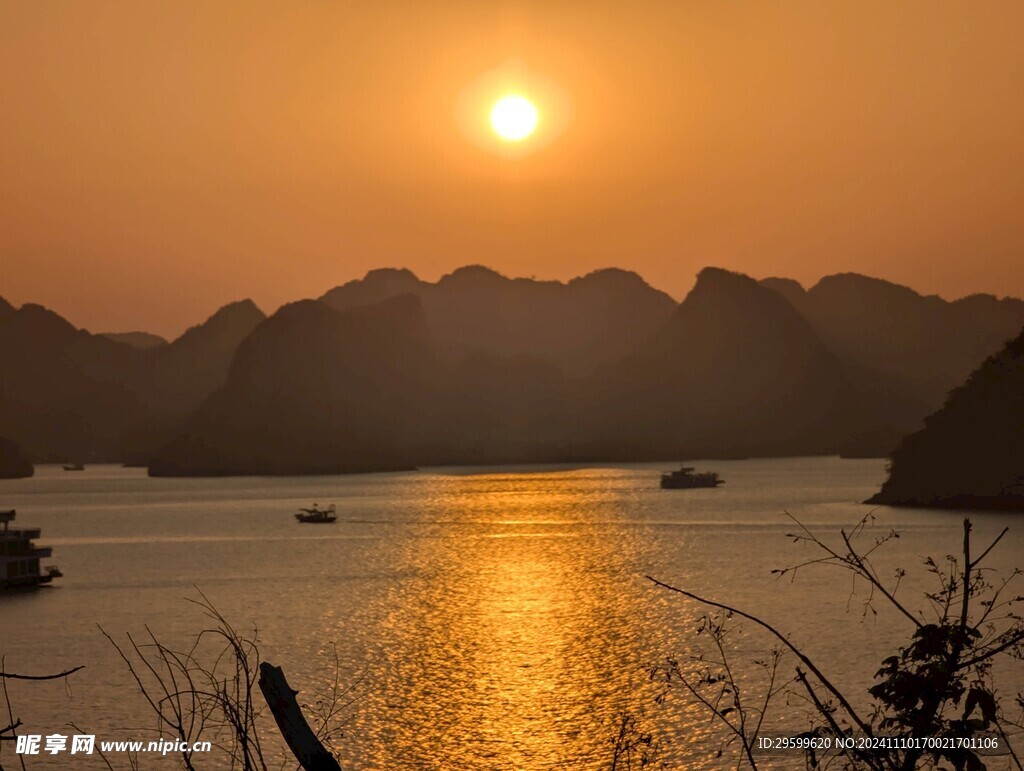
489 618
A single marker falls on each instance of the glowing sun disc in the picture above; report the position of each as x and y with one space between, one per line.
514 118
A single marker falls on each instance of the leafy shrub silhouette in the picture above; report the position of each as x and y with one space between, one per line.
939 686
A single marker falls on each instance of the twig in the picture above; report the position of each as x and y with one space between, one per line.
785 641
10 710
65 673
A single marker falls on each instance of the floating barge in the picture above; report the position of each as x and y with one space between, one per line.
20 557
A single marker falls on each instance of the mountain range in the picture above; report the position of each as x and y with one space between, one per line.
391 371
925 345
67 394
592 320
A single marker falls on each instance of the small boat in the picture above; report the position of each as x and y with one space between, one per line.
19 557
316 515
74 467
686 478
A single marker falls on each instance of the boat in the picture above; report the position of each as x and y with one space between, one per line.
686 478
19 557
74 467
316 515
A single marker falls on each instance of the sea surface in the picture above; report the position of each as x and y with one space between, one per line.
492 618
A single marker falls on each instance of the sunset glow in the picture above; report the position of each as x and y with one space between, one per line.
465 360
514 118
274 160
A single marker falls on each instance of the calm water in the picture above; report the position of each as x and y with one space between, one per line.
490 618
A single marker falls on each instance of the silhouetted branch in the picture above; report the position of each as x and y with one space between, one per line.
873 761
991 546
865 727
865 570
938 685
65 673
1015 639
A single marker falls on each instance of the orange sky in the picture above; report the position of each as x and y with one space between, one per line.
160 159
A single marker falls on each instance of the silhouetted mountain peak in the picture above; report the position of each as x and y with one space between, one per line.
187 370
401 315
711 273
792 290
40 323
727 311
245 310
717 285
735 369
731 309
850 286
298 312
577 325
988 303
730 323
6 307
980 299
470 276
780 282
389 281
391 276
612 280
243 314
375 286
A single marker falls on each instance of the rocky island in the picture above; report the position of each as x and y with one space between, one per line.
969 455
13 462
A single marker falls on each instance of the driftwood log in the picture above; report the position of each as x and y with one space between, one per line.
307 749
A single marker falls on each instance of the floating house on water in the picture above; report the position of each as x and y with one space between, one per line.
19 557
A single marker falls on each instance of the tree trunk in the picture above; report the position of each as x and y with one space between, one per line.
280 696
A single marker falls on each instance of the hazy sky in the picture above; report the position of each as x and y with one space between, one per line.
159 159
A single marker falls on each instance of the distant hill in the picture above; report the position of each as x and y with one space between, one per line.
925 345
736 371
6 307
175 379
970 453
180 375
64 393
391 371
141 341
13 462
68 394
578 326
313 390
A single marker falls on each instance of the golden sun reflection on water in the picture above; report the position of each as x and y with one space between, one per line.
502 620
512 647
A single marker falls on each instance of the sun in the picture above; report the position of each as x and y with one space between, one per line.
514 118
